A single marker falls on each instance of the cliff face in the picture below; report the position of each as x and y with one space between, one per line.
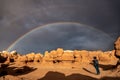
63 56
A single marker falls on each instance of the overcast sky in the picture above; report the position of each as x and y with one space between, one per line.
17 17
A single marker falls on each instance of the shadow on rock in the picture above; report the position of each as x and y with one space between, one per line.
22 70
89 71
60 76
110 78
79 77
53 76
106 67
15 71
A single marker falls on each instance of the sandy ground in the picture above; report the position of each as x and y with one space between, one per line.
61 71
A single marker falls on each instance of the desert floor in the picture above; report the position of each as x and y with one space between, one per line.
61 71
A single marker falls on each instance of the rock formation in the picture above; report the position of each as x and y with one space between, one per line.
61 56
117 52
38 57
117 47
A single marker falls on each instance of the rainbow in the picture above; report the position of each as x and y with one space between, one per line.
20 38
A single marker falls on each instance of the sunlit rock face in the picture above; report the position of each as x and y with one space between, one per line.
67 35
117 47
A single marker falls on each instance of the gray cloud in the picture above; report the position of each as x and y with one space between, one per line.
19 17
65 35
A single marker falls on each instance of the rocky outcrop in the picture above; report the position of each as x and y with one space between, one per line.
67 56
60 52
53 56
38 57
61 56
79 56
30 57
22 59
117 47
117 52
7 57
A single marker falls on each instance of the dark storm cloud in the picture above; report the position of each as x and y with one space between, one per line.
64 35
18 17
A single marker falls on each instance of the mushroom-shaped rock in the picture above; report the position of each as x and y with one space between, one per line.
53 54
38 57
5 54
47 56
60 52
30 57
